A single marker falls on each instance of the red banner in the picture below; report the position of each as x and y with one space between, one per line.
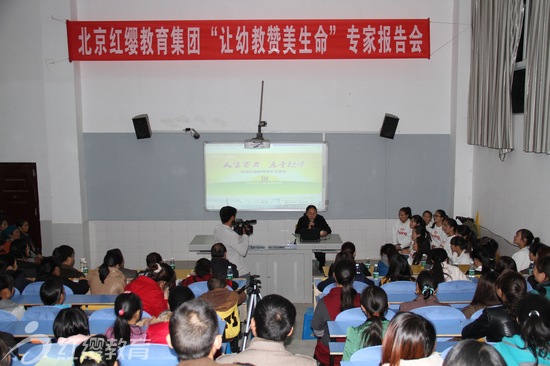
248 39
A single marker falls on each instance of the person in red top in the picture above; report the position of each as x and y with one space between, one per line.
202 273
153 288
340 298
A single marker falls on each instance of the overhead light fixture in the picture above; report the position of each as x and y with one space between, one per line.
259 142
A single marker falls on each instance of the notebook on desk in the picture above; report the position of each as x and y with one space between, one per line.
310 235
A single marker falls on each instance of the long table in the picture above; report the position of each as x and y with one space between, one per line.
75 300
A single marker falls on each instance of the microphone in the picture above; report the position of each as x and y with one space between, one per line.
194 133
311 223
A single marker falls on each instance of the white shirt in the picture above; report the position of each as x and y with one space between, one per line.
438 236
447 246
402 233
453 273
463 258
237 246
522 259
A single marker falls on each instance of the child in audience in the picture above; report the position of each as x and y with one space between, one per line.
401 230
127 327
541 272
426 289
471 352
386 252
499 321
52 293
441 269
485 295
374 303
523 238
505 263
532 344
436 230
340 298
410 340
153 287
96 351
460 254
399 270
71 326
6 293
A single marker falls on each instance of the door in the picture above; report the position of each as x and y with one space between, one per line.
19 196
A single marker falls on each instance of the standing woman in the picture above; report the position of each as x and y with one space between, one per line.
436 230
340 298
108 279
401 230
523 238
309 220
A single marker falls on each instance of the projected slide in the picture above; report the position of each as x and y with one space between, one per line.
284 177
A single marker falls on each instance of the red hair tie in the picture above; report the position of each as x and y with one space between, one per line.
121 312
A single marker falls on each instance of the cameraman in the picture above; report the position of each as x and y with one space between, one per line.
237 245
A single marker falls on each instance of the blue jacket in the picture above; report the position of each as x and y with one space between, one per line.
512 349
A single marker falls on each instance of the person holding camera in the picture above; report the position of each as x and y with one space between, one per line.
237 245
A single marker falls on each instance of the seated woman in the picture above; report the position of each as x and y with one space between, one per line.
401 229
541 272
71 326
387 251
505 263
108 279
436 230
426 289
460 254
410 340
127 328
340 298
8 266
441 269
49 268
523 238
472 352
499 321
374 303
532 344
484 258
359 274
35 253
485 295
21 252
421 245
399 270
153 288
309 220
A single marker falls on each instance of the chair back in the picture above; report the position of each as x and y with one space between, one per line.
356 315
7 317
43 312
436 312
456 286
199 288
52 351
368 355
34 289
147 354
108 314
16 292
477 314
399 287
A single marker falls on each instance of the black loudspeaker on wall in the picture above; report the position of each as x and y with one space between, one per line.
389 126
141 125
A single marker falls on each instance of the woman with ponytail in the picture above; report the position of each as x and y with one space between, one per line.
436 230
340 298
374 303
426 289
441 269
108 279
523 239
128 322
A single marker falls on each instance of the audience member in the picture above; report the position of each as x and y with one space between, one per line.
441 269
6 293
153 287
8 266
532 344
499 321
129 273
436 230
421 245
374 303
20 250
460 254
427 216
9 234
541 272
471 352
523 238
484 258
401 230
449 226
64 255
52 293
49 269
96 351
272 322
410 340
127 328
220 263
340 298
426 289
71 326
399 270
108 279
468 235
386 252
505 263
23 226
359 273
485 295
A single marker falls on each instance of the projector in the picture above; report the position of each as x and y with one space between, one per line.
257 144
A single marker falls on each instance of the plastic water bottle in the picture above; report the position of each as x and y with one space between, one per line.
375 273
229 273
367 263
423 261
531 266
82 261
472 270
172 263
357 270
85 267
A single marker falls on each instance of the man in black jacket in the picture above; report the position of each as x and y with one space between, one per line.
220 263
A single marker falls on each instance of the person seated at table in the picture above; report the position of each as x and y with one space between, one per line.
96 351
399 270
340 298
309 220
441 269
483 257
158 329
35 252
541 272
426 290
20 250
460 254
108 279
8 266
202 273
410 340
505 263
473 352
8 235
127 328
348 246
272 322
6 293
485 295
219 262
49 269
151 261
374 303
153 287
523 239
532 344
52 293
498 322
401 229
129 273
64 255
387 251
421 245
359 274
71 326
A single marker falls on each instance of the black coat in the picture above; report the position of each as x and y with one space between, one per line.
494 323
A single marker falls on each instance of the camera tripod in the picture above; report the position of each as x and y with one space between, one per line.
254 296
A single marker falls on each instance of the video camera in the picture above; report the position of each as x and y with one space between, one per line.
252 284
241 226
